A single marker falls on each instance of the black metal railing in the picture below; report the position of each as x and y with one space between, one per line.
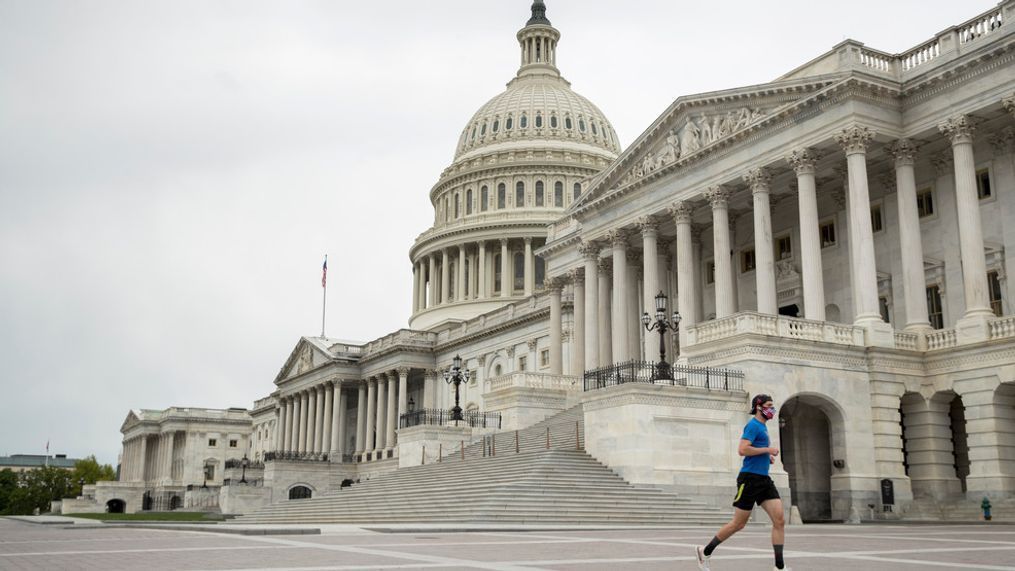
441 417
292 456
238 464
713 379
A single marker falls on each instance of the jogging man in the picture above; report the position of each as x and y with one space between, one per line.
753 484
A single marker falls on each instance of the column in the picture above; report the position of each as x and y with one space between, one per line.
421 279
697 247
143 453
429 387
326 419
686 285
530 269
719 196
361 419
803 161
854 141
460 275
634 326
167 455
605 312
618 240
578 335
556 342
433 281
590 253
304 413
445 277
472 280
371 414
650 274
312 421
338 442
415 287
319 423
481 271
280 430
967 205
507 281
392 414
913 278
403 393
290 411
382 412
764 252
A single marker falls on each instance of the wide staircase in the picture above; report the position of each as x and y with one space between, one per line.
549 480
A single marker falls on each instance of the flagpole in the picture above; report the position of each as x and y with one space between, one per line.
324 302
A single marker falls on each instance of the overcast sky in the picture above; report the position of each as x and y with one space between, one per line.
173 172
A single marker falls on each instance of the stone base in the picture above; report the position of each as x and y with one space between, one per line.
973 328
426 444
878 334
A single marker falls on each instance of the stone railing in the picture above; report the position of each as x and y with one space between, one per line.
776 326
263 403
1002 328
500 316
907 341
982 25
942 339
533 381
401 338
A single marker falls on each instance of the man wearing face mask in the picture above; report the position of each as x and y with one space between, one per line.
753 484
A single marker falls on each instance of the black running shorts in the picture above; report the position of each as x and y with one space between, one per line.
754 489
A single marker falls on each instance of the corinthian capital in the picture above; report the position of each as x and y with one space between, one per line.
904 151
718 196
617 237
803 160
680 211
959 129
577 276
648 225
554 284
758 179
589 250
854 139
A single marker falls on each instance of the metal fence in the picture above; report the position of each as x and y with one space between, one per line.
713 379
238 464
441 417
292 456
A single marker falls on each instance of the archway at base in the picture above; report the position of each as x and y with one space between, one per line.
811 429
116 506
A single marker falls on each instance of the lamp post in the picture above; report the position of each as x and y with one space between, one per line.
662 325
243 464
456 376
81 483
206 466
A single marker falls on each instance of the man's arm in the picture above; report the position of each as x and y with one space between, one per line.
745 449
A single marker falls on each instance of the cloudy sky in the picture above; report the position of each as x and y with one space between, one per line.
173 172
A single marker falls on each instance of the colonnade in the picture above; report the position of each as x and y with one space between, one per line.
149 457
434 282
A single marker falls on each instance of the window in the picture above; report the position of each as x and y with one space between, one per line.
934 307
519 271
473 136
577 190
300 493
877 220
497 371
558 194
510 123
468 201
883 307
496 125
553 121
544 358
522 362
496 273
457 200
501 196
212 443
447 209
581 125
925 203
482 130
783 248
983 189
568 124
539 121
539 193
524 121
484 199
540 271
520 195
233 443
994 290
595 131
747 261
709 272
209 472
827 231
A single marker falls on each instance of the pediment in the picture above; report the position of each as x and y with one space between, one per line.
694 125
306 356
131 421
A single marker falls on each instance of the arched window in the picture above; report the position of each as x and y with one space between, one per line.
524 121
558 194
473 136
496 273
519 271
300 493
510 123
496 125
581 125
539 120
468 201
568 124
482 130
520 194
577 190
484 199
457 200
501 196
553 121
539 193
595 131
540 271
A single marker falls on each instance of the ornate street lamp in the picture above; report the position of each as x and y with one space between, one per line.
206 466
662 325
243 464
456 376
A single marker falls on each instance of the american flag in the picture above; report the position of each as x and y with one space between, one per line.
324 273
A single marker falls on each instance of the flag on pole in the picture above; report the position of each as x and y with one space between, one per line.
324 273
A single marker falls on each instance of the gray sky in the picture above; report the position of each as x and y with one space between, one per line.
172 172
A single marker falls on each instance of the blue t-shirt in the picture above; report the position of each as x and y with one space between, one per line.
757 433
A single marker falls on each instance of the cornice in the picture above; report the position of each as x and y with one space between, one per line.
915 92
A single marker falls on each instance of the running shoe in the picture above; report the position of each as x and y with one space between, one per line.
699 553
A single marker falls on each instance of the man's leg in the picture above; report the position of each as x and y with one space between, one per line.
774 510
738 522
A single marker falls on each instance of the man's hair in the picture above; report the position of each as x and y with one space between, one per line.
759 400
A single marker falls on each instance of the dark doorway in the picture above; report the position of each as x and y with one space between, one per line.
175 503
300 493
790 310
116 506
146 501
805 434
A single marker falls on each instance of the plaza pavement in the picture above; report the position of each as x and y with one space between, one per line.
866 547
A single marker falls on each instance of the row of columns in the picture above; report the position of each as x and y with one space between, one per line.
148 457
312 421
428 291
382 401
132 463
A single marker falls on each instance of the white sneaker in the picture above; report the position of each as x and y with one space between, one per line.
699 553
783 569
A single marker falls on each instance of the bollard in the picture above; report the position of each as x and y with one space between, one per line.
577 437
547 437
463 449
440 452
493 448
516 442
422 460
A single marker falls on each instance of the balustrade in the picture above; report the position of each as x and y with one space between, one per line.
943 339
1001 328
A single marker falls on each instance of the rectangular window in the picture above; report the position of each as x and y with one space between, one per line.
468 202
544 358
783 248
983 189
925 203
233 443
934 307
883 306
519 195
522 362
877 220
709 272
501 197
747 261
994 289
484 200
212 443
827 231
209 472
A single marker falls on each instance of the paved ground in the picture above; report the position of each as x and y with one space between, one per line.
867 547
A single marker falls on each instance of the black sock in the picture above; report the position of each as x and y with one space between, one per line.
712 545
778 557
